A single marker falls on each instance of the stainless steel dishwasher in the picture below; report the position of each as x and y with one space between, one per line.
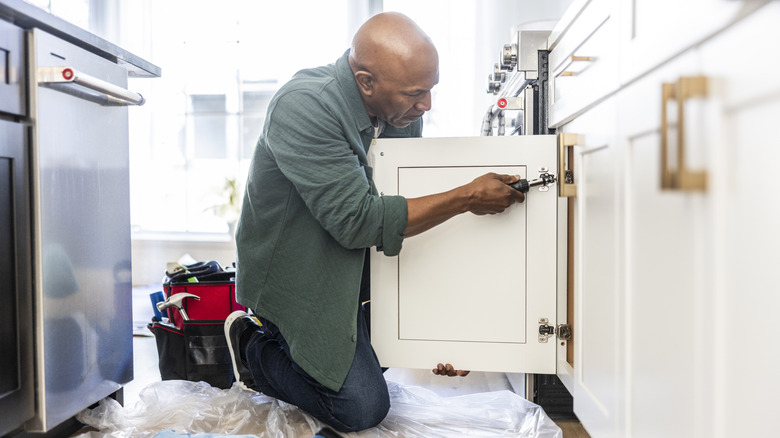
81 227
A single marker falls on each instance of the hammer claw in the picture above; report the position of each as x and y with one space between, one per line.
177 301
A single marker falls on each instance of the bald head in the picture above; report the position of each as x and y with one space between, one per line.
390 40
395 66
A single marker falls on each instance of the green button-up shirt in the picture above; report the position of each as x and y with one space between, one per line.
310 211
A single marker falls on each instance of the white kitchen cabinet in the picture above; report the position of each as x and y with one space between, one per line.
667 273
699 260
471 291
594 379
639 266
691 264
745 294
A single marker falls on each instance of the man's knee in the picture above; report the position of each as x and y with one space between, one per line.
363 414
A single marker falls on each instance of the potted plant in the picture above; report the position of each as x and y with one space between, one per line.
230 208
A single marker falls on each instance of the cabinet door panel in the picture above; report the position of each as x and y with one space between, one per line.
437 263
747 215
470 291
667 258
595 383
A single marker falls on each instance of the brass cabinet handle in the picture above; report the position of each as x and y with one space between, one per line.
680 178
571 60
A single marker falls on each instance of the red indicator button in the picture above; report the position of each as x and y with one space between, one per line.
67 74
502 103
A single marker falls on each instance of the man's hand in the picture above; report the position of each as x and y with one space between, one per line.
449 370
488 194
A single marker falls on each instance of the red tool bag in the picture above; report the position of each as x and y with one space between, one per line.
191 345
215 286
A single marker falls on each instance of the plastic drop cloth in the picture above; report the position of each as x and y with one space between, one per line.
177 408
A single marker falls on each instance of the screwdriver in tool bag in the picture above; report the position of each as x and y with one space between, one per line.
524 185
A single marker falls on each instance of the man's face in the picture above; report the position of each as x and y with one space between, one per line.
401 97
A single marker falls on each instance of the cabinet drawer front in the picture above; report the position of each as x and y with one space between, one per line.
11 69
583 62
654 31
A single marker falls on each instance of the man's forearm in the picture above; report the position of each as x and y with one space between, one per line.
488 194
426 212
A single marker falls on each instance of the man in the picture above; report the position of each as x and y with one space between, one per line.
311 213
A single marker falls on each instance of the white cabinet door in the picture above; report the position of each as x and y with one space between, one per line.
667 245
595 379
745 293
472 290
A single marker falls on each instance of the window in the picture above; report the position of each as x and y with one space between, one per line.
192 142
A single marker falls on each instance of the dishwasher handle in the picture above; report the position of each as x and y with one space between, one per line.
59 75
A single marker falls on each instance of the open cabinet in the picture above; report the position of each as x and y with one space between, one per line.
480 292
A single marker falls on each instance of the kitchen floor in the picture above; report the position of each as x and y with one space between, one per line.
146 371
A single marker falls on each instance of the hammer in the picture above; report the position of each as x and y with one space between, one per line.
176 300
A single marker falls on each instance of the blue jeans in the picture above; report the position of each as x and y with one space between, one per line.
361 403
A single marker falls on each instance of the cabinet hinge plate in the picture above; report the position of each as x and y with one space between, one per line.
546 331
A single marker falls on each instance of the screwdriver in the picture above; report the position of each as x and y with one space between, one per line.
524 185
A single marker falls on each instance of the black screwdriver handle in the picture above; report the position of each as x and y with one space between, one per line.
521 185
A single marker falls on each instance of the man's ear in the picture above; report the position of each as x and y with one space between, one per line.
365 81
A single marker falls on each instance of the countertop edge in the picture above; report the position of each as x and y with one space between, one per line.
27 16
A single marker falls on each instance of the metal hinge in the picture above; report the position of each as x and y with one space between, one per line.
562 331
566 186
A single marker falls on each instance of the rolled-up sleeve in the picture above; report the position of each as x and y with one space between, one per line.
395 217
